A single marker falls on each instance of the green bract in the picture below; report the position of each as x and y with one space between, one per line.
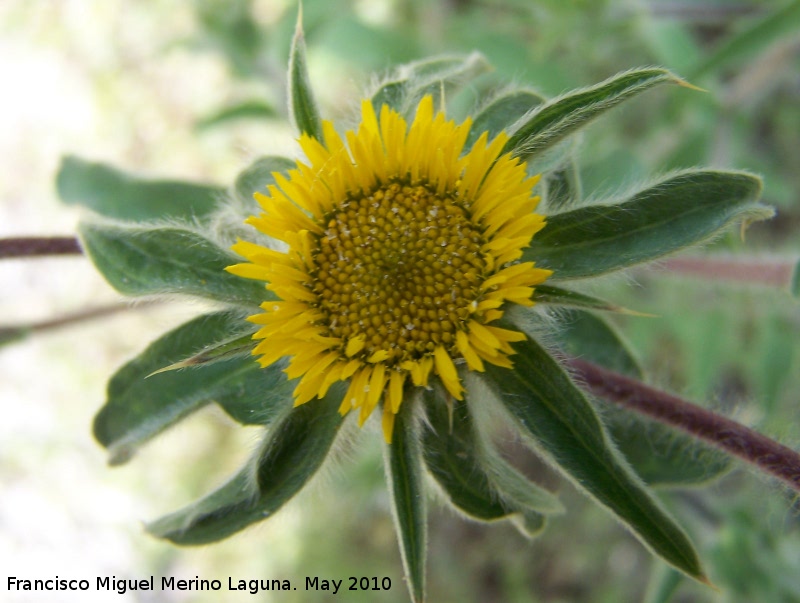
174 237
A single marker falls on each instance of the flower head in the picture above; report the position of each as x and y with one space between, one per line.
402 251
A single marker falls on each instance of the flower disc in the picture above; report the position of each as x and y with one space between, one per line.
401 250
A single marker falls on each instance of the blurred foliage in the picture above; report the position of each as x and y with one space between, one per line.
732 347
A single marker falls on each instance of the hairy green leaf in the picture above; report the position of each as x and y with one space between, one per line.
216 352
390 93
293 451
403 462
554 413
258 175
558 296
140 406
168 259
403 89
684 209
588 336
473 475
563 187
124 196
501 113
303 109
551 122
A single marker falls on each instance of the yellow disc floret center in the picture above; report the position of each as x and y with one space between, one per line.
397 271
403 246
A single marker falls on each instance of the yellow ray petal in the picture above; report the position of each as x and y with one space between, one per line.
377 383
447 371
355 345
395 396
251 271
473 360
388 424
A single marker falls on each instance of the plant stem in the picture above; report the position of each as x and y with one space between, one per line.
704 12
11 333
25 247
732 437
772 273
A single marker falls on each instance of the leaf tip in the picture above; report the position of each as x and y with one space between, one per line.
157 528
172 367
120 454
629 312
298 27
684 84
703 579
764 213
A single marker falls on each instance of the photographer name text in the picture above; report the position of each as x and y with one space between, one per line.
251 586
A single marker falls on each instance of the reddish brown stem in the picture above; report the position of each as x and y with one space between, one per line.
736 439
772 273
15 332
26 247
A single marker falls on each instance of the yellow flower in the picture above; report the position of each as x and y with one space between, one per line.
402 250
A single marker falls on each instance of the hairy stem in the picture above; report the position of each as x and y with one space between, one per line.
736 439
26 247
771 273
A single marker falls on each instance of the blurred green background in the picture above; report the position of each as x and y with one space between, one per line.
195 90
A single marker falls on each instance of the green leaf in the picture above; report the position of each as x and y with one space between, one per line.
684 209
557 296
588 336
168 259
258 175
293 451
551 410
662 456
139 407
564 187
564 115
403 462
404 88
303 109
795 287
440 78
216 352
249 109
124 196
389 93
531 525
505 113
501 113
753 39
473 475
